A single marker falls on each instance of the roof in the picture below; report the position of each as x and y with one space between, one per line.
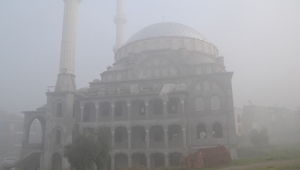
165 29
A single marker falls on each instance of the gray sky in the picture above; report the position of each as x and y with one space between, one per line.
260 41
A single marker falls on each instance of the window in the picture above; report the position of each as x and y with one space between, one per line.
142 108
208 70
118 109
57 137
206 85
142 136
158 135
59 110
215 103
105 107
172 105
119 77
156 72
199 104
215 86
201 131
198 86
158 106
118 136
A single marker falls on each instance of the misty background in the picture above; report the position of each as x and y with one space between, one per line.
260 41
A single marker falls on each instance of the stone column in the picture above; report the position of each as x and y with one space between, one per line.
166 137
147 138
129 161
113 139
184 137
182 105
148 161
129 138
112 163
165 109
81 113
129 111
113 112
147 110
166 160
97 112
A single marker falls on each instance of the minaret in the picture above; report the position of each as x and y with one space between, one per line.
66 77
120 21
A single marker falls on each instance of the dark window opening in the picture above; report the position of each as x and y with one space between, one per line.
118 136
143 160
159 160
172 106
158 106
59 110
57 137
118 109
105 107
86 113
173 133
142 136
142 108
158 134
175 159
201 131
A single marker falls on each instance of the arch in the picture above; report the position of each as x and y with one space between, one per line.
35 134
157 160
139 159
138 134
174 132
105 109
89 112
59 109
120 134
157 106
217 130
57 137
199 104
157 132
121 161
215 103
175 158
201 131
42 122
56 161
173 105
138 107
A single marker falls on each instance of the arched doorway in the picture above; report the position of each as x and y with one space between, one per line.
56 162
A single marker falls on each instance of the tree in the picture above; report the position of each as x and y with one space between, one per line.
88 148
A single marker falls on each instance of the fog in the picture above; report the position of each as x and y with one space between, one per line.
260 41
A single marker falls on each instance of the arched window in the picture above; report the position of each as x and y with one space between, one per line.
215 86
118 109
59 109
206 85
215 103
199 70
217 130
35 134
158 106
57 137
142 107
201 131
156 72
199 104
198 87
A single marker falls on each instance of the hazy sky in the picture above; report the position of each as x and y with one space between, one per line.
260 41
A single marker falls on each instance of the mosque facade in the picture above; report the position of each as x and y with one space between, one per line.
166 95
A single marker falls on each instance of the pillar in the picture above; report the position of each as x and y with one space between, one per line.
113 138
165 109
184 137
129 138
129 161
166 137
97 112
148 161
147 138
81 113
113 112
147 110
166 160
182 105
128 111
112 162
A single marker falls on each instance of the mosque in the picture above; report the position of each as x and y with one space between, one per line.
166 95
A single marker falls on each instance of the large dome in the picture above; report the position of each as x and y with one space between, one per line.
165 29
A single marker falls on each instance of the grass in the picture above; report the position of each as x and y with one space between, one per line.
278 153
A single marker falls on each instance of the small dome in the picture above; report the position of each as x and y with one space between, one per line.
165 29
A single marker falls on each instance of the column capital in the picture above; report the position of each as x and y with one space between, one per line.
182 101
112 104
128 131
146 103
81 106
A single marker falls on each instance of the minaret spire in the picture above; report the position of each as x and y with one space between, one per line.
66 77
120 21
